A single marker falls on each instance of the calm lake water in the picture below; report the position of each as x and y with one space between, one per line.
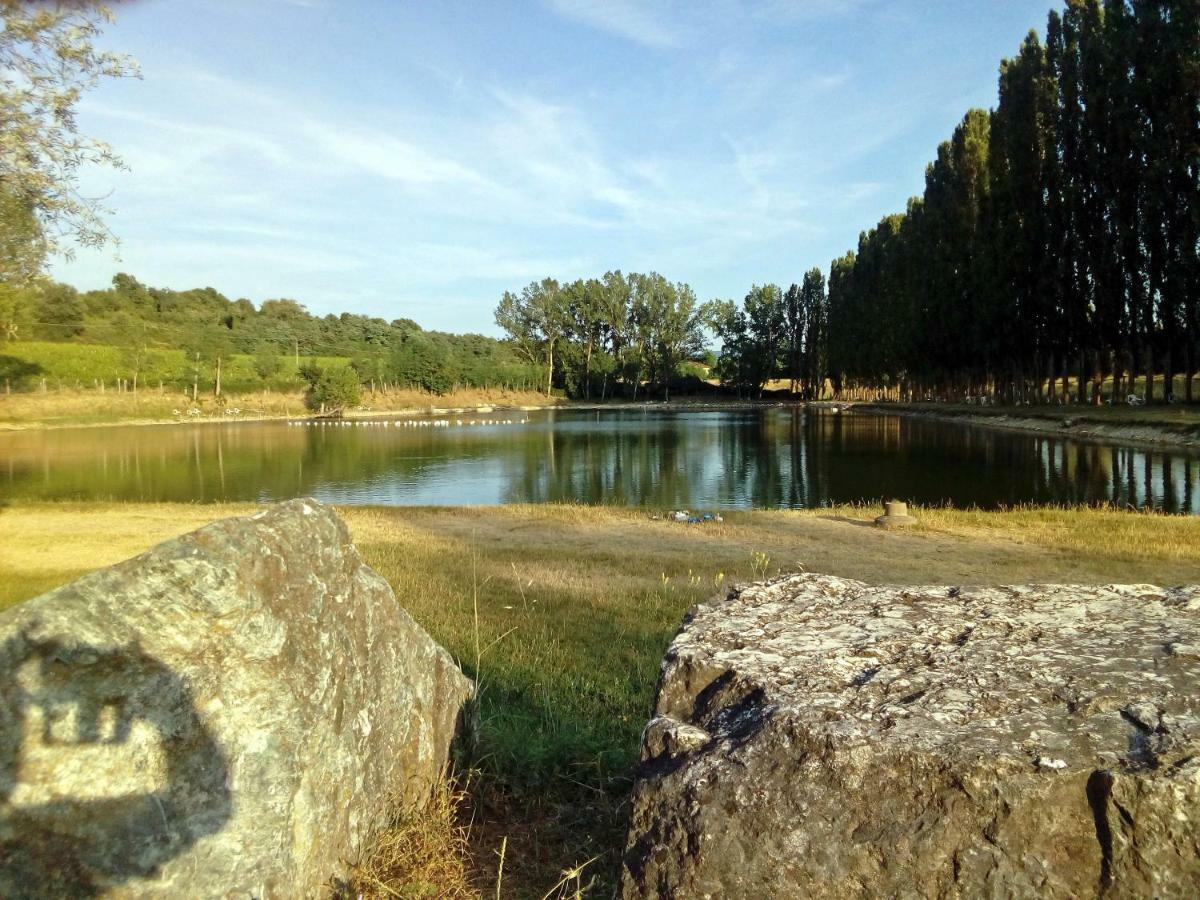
656 458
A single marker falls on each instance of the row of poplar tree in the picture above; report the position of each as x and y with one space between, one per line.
1057 243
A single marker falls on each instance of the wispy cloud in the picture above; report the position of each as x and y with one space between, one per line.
776 10
271 172
374 153
634 20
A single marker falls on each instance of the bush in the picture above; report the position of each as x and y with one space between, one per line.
17 372
331 388
267 363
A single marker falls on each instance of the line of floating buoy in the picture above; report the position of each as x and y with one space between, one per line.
404 423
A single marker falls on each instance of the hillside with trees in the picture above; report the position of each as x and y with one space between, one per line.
201 342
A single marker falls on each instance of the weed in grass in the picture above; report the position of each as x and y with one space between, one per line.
571 884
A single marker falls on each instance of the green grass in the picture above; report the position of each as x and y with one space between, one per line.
576 606
80 366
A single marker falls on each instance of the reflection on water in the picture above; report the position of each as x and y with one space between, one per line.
743 458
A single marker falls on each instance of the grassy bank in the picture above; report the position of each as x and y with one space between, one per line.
576 605
66 365
71 408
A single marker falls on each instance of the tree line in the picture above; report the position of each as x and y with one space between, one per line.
774 334
614 336
635 335
1057 241
283 339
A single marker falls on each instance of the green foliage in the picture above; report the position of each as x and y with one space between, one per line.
667 329
422 362
535 321
200 331
771 335
1057 235
59 312
267 363
16 372
49 58
597 336
334 387
22 245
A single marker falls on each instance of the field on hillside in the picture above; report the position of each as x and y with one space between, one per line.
26 364
575 608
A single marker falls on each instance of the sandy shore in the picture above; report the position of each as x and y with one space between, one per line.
1101 426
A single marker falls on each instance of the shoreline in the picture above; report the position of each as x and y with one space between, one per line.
1085 427
595 594
407 411
411 411
1103 425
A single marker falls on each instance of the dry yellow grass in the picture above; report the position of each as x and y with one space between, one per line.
90 407
421 854
44 546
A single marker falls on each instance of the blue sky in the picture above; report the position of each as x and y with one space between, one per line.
413 158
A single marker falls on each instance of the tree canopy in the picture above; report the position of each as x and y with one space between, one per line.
599 335
48 59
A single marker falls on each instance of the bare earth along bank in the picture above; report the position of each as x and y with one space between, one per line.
1165 427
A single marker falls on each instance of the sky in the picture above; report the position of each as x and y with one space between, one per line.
417 158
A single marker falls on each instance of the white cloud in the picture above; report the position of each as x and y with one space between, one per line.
633 20
369 152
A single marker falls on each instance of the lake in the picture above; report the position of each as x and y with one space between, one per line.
662 459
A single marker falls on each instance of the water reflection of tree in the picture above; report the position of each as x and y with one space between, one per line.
769 458
217 462
627 458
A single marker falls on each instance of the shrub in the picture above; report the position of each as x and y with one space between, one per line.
17 372
334 387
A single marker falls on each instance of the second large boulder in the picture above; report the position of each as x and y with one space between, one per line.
818 737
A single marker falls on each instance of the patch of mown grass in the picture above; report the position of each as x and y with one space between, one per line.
69 364
565 657
563 613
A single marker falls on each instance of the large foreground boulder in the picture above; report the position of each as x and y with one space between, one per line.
227 715
817 737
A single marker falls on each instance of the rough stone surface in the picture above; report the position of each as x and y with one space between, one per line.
227 715
818 737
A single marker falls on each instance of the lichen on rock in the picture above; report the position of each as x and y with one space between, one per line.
815 736
231 713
